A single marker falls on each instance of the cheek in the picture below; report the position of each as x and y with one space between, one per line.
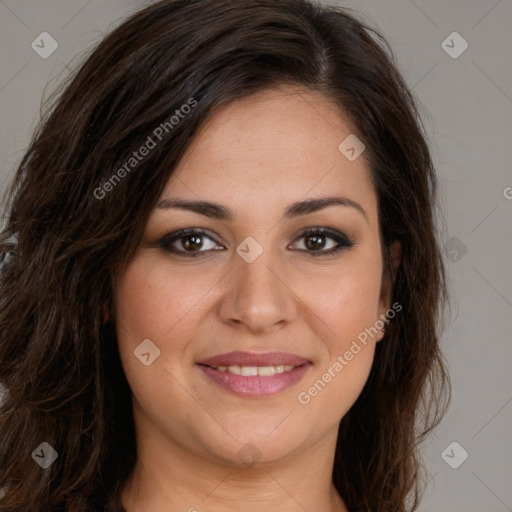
336 387
347 302
155 301
347 306
144 309
149 306
165 305
340 377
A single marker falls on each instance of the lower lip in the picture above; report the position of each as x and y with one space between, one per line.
256 386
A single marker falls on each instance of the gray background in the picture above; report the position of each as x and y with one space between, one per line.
467 109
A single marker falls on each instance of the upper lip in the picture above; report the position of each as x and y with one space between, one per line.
254 359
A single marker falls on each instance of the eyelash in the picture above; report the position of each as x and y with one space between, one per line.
343 242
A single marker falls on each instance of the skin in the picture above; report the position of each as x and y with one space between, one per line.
255 156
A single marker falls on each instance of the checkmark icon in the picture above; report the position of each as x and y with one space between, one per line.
351 147
455 249
147 352
454 455
44 45
454 45
45 455
249 249
450 454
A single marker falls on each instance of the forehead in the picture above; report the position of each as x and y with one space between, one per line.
271 149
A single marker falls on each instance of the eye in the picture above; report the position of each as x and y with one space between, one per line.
192 244
190 240
317 237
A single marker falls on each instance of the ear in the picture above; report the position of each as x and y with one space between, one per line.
387 285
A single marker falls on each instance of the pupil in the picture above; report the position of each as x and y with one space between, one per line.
195 244
317 243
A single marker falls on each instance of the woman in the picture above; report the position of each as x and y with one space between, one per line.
222 287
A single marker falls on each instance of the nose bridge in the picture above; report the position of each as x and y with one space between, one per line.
258 276
257 295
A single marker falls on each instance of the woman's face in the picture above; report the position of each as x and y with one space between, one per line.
252 282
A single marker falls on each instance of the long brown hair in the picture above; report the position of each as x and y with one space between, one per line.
72 219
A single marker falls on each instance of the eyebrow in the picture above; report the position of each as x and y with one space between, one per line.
220 212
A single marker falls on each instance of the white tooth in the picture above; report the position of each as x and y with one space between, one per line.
248 371
251 371
266 371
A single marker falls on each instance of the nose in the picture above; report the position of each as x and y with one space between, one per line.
258 297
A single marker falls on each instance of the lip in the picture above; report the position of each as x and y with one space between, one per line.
255 386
